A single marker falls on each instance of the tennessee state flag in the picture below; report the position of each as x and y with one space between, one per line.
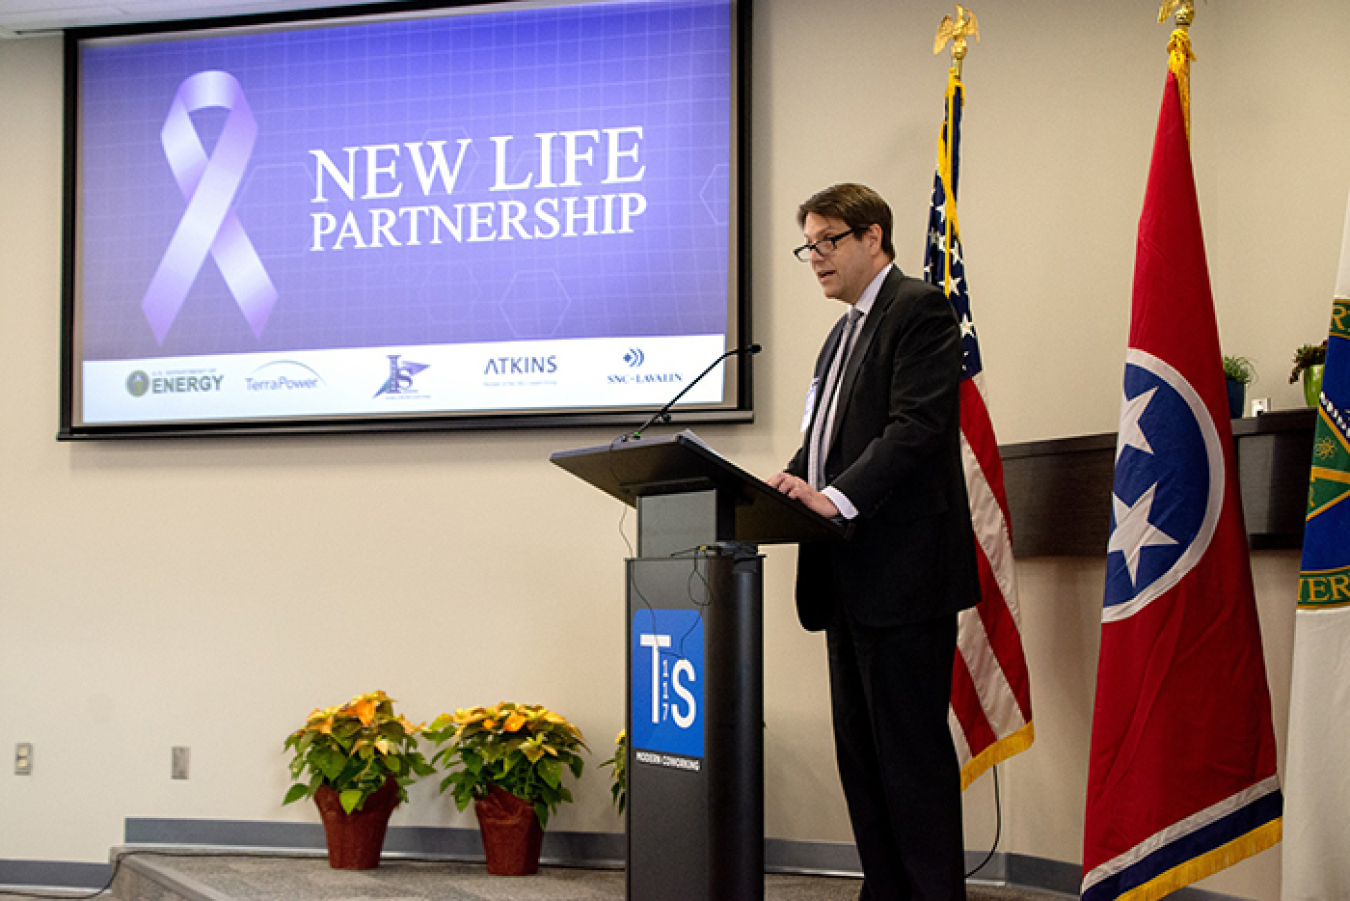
1182 778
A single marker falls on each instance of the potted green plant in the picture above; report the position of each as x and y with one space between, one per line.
1308 363
619 786
360 757
509 760
1238 373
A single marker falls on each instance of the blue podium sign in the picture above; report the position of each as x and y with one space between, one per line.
667 682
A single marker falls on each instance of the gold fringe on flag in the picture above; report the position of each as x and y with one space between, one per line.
1179 57
1205 865
953 229
999 751
1179 53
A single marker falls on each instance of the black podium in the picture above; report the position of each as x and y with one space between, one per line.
695 663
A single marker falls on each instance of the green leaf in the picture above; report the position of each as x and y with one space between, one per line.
329 763
550 771
297 792
350 799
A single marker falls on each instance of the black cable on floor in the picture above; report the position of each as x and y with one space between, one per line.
998 826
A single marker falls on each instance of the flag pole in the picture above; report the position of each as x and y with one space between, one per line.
957 30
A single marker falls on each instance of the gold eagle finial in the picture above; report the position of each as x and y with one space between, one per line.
957 30
1184 10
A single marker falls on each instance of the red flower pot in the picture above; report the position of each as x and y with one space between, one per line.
511 833
356 839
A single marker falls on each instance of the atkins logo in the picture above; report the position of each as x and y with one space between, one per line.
1168 488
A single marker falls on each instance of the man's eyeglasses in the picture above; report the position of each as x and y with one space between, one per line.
825 246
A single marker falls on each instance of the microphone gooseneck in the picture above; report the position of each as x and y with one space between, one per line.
663 414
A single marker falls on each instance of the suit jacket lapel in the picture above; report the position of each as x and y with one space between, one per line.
827 352
862 344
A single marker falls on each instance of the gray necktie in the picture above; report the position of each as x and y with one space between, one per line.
829 396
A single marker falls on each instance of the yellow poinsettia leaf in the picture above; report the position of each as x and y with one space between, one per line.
514 722
364 710
382 745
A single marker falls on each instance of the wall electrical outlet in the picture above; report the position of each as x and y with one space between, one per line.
1261 405
23 759
181 758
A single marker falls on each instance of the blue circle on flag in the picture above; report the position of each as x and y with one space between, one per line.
1164 501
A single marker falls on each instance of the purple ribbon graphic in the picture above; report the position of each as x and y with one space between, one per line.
209 224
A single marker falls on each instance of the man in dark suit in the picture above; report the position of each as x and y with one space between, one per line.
882 449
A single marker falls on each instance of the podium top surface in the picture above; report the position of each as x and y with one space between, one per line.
672 464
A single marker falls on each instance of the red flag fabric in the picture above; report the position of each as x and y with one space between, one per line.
1182 778
991 691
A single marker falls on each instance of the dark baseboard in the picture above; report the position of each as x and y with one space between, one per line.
589 849
52 875
595 850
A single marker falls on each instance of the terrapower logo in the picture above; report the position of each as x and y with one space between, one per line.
667 681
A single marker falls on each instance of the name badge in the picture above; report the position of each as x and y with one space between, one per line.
810 405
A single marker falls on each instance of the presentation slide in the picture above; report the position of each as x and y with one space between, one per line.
508 208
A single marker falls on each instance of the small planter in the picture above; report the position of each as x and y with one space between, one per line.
511 833
497 756
1237 398
356 839
1312 384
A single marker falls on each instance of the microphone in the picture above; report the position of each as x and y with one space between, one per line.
663 414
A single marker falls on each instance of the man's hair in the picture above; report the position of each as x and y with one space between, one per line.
858 206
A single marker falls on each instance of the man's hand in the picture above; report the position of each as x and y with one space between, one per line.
799 490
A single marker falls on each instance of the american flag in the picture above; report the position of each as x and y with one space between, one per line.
991 693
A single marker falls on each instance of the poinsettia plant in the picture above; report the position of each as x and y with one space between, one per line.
619 787
354 749
521 748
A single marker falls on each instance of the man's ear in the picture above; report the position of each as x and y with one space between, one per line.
873 238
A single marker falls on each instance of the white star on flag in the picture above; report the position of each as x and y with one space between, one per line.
1131 434
1133 531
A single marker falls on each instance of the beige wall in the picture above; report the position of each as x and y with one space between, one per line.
210 593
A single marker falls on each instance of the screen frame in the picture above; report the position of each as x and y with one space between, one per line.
736 408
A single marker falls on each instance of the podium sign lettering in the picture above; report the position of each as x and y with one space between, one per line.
667 680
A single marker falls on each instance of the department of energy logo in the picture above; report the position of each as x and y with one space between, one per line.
138 383
1168 488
